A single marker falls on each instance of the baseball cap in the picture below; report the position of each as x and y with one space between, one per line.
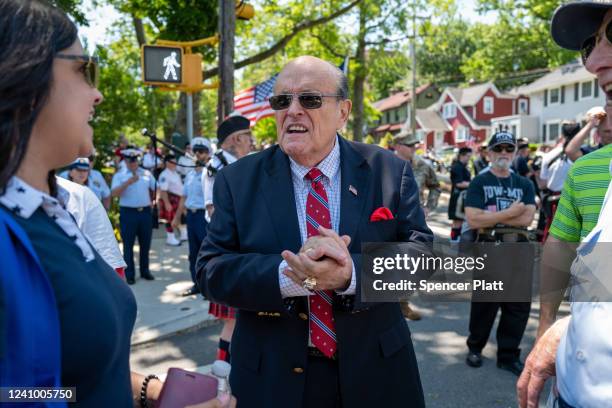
405 139
502 138
574 22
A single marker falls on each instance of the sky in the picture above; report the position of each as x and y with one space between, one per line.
102 18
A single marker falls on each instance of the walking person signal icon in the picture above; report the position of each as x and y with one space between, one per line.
170 64
162 65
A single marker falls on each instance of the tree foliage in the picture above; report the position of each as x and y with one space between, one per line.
128 106
374 34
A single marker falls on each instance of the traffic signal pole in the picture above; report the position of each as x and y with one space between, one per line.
227 28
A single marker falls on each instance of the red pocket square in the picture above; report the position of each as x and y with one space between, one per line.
381 214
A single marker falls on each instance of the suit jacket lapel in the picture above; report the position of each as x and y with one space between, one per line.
354 178
277 189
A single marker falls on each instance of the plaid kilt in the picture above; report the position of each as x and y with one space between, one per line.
221 311
168 213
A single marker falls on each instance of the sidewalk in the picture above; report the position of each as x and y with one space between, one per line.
162 311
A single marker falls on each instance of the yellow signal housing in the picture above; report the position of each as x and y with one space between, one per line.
192 72
244 11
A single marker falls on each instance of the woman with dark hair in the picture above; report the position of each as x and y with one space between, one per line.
460 180
49 95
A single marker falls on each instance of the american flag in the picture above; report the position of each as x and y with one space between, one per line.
252 102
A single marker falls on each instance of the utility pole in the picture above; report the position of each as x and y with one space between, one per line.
413 104
227 30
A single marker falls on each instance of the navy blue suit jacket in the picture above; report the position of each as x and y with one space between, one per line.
255 219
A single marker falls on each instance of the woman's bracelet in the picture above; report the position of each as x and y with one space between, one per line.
143 389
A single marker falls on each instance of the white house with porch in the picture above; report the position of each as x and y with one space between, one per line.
566 93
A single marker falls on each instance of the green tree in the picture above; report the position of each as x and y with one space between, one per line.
72 7
127 106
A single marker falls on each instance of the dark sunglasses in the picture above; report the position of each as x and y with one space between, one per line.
200 150
90 67
507 149
308 100
590 43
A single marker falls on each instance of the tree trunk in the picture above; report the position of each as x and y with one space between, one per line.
227 27
360 77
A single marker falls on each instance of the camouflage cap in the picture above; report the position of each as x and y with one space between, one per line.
405 138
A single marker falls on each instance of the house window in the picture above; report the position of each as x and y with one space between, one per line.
450 110
420 135
553 131
461 134
522 103
586 90
554 96
488 105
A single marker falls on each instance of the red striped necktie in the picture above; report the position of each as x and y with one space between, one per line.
322 326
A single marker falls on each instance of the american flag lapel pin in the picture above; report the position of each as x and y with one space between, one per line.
353 190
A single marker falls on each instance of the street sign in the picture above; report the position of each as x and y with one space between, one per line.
162 65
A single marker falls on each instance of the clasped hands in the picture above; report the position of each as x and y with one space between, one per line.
325 258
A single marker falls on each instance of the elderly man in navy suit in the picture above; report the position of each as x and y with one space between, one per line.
284 247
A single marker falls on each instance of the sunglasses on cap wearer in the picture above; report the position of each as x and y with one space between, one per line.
89 68
200 150
132 159
308 100
506 148
590 43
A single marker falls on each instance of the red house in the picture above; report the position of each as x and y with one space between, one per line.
468 113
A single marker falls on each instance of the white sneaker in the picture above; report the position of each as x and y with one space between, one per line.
184 236
171 239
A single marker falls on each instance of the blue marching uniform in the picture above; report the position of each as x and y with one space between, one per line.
136 219
196 216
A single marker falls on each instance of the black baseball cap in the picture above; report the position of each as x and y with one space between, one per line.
502 138
574 22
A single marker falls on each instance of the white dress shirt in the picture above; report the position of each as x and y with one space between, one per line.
92 219
186 163
330 167
208 181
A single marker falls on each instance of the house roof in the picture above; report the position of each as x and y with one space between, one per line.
471 95
432 120
565 75
397 99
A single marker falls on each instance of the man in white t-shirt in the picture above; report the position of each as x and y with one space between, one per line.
171 190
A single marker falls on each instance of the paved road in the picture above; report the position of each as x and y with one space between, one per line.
439 341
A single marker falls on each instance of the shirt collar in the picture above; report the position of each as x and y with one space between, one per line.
24 200
229 155
329 166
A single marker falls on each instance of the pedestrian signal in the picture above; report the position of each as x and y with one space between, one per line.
162 65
